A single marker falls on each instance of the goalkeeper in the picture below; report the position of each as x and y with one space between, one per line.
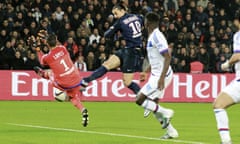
64 75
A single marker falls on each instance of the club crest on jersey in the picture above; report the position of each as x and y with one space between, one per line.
149 44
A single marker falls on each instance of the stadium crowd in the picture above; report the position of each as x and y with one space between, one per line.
197 30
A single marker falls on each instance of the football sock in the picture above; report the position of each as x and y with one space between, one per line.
170 127
96 74
77 103
222 124
134 87
151 105
159 117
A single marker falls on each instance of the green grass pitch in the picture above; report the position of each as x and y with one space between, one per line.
38 122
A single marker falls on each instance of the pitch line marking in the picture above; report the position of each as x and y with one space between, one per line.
105 133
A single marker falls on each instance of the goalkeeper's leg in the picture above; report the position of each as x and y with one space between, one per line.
75 100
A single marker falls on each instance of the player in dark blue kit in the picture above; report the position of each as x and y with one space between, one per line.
128 58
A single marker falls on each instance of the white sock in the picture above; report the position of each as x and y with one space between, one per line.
159 117
151 105
222 124
170 127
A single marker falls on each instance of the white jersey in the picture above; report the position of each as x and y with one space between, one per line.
236 49
156 45
232 89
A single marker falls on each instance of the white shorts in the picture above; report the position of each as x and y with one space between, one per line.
150 89
233 90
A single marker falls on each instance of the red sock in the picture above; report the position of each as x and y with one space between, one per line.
77 103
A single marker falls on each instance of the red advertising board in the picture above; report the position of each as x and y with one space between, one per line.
26 85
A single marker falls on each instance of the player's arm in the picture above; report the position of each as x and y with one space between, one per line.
112 29
234 58
165 69
162 46
236 55
143 74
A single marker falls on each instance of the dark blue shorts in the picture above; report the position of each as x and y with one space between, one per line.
131 59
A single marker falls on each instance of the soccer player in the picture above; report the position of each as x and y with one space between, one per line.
128 58
64 75
229 95
160 75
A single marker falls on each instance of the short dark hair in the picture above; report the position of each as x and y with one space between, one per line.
52 40
152 17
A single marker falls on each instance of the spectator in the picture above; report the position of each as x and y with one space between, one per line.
174 64
183 67
136 8
201 19
63 32
94 36
81 64
59 13
46 11
191 39
98 21
36 14
31 61
188 22
75 21
20 48
72 48
203 57
91 61
83 45
172 33
8 52
170 5
102 57
89 21
227 52
192 55
33 28
203 3
4 37
18 62
55 24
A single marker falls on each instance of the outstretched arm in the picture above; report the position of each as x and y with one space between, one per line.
112 29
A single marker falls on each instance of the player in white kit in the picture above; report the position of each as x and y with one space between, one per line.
229 95
160 75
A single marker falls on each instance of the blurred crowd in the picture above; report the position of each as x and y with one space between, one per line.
197 30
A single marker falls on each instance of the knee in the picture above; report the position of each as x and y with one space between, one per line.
126 82
156 100
140 99
218 105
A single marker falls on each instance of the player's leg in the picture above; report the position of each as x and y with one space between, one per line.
168 80
220 104
129 62
74 96
128 82
171 132
149 104
111 63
